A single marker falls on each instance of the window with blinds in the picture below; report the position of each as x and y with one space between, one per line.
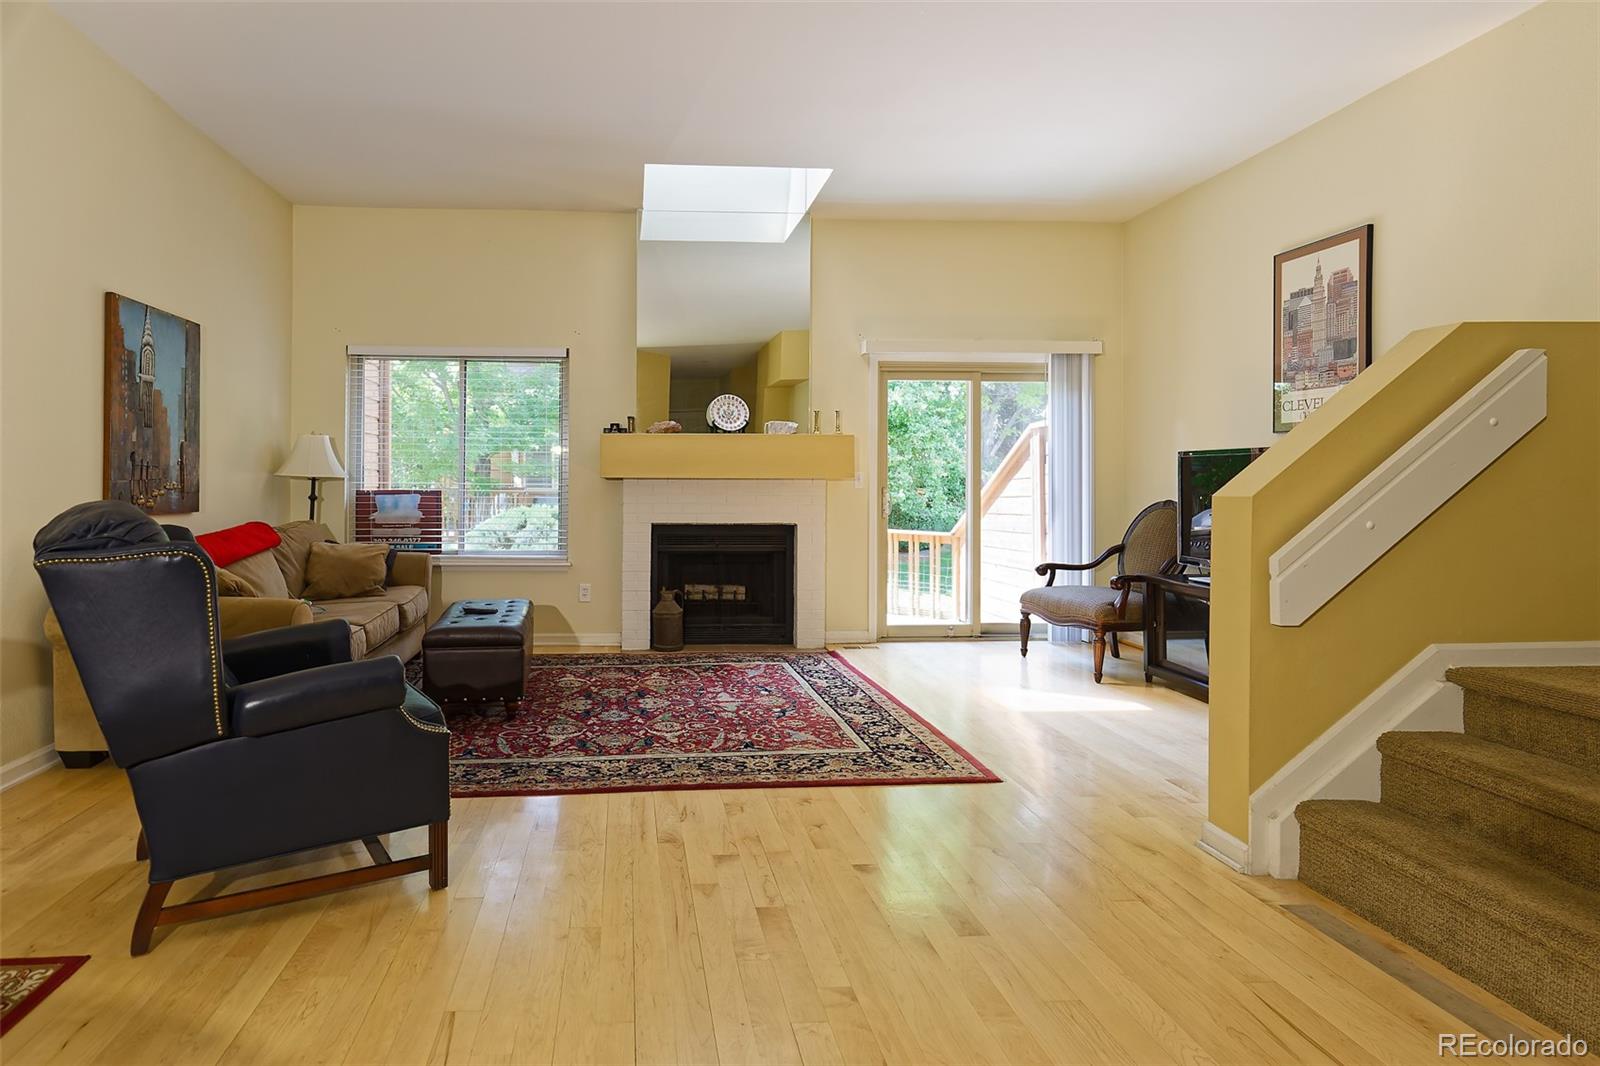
488 433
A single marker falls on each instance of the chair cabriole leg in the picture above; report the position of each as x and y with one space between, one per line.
1099 654
1027 623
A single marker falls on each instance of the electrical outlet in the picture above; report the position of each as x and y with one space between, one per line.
584 592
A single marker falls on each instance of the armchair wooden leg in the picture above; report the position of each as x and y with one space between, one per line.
141 850
1099 654
376 850
149 915
1027 623
438 855
1116 652
153 912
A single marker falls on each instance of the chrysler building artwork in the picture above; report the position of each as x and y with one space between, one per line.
152 408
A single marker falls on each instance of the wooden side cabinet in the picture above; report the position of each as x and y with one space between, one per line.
1175 606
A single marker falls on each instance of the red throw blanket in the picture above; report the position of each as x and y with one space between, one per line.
228 546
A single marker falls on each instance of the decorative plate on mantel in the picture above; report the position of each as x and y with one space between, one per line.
728 413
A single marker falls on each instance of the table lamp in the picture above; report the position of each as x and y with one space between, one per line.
312 458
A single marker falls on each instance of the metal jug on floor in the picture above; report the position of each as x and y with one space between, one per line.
666 622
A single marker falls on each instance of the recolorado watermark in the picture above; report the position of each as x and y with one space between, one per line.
1475 1045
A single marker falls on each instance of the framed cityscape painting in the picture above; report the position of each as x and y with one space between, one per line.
1322 322
152 408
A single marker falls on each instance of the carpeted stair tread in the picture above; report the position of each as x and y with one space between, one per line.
1556 788
1510 926
1572 689
1490 880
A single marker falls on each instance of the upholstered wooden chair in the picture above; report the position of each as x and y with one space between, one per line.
1149 547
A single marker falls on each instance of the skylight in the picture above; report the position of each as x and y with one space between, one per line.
744 204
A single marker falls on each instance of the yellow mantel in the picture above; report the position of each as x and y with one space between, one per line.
740 456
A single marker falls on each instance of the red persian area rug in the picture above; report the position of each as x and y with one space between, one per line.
633 723
25 982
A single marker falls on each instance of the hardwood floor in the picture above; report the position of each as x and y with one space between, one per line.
1064 915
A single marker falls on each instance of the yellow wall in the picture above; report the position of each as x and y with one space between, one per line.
782 364
652 388
741 381
1514 556
953 280
791 357
105 188
691 396
1481 175
491 278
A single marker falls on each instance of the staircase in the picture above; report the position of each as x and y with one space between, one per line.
1484 851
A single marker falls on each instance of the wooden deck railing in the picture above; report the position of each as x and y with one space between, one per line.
928 568
925 578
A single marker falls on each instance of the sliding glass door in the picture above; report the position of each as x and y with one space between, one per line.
962 507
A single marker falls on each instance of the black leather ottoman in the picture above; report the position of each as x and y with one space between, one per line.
478 651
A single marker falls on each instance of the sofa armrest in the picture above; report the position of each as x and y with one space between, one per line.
320 694
52 631
239 615
412 568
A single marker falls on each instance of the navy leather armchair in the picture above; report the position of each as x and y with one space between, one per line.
263 746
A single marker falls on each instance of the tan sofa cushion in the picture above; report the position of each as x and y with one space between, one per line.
412 602
293 550
372 621
260 571
343 571
1081 605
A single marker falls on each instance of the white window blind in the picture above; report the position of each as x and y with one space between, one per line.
489 432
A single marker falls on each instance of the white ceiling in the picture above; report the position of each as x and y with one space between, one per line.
1072 110
713 305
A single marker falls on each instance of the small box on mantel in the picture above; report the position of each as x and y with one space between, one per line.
736 456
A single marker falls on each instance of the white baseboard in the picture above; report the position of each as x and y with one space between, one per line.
578 640
1224 847
30 765
849 636
1344 763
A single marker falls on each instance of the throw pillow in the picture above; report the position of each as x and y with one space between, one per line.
231 584
293 549
340 571
260 571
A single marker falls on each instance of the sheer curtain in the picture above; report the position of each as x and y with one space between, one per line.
1069 467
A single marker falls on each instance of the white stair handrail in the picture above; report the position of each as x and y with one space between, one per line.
1352 534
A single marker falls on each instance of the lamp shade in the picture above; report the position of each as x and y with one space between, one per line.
312 457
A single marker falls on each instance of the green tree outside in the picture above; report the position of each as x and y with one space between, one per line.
513 439
927 428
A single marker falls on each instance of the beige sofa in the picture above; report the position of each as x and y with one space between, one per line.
387 624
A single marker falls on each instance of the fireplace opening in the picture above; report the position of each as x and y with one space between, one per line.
737 581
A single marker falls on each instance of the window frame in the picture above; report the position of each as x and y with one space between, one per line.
483 559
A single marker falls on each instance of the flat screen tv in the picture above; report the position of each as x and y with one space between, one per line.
1200 474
